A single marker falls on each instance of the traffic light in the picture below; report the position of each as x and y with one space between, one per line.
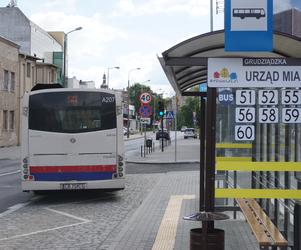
161 108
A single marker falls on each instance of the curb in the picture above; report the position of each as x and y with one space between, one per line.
9 158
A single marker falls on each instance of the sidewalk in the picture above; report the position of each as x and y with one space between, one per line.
158 223
186 151
10 153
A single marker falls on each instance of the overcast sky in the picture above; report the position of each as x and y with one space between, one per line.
125 33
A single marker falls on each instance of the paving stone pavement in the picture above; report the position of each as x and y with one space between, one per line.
140 232
62 222
128 219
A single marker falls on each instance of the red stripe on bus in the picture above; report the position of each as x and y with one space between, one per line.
72 169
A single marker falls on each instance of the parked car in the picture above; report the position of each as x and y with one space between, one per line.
162 134
183 128
190 132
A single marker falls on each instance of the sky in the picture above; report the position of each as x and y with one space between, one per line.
125 33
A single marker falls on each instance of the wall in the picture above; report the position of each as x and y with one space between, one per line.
42 44
15 26
9 95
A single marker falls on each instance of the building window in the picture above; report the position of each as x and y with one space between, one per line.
28 69
5 120
6 79
12 81
11 120
32 76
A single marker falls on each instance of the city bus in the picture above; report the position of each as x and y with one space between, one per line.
72 139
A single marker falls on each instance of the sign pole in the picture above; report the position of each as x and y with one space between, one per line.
144 125
162 139
176 117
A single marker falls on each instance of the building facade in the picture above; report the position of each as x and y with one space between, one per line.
288 21
9 92
18 74
33 40
75 83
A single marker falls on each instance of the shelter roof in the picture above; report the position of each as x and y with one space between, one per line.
185 64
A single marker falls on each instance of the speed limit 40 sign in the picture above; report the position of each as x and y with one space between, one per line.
145 98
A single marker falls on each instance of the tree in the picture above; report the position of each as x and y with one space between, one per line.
185 114
135 91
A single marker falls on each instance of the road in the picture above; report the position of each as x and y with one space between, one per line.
10 185
81 220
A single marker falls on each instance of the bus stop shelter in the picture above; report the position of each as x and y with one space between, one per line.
185 66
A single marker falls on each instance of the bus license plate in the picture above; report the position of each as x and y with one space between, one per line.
73 186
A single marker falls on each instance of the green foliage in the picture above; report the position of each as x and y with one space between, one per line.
185 115
136 90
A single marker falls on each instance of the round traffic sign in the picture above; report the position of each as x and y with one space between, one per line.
145 111
145 98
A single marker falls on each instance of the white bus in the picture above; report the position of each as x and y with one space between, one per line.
72 139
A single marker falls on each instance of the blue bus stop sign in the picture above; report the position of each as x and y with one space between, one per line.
248 25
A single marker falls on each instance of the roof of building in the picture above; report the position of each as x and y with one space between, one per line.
9 42
185 64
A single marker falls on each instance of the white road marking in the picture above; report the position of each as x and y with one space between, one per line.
13 209
41 231
68 215
83 221
10 173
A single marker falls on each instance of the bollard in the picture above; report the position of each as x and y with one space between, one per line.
141 151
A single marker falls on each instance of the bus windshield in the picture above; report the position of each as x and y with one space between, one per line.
72 112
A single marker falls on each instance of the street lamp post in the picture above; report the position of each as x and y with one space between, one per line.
117 67
65 56
128 121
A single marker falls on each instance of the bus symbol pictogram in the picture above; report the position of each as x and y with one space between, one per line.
248 12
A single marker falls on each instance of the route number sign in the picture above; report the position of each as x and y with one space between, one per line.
268 97
268 115
291 97
245 97
245 114
244 132
291 115
145 98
